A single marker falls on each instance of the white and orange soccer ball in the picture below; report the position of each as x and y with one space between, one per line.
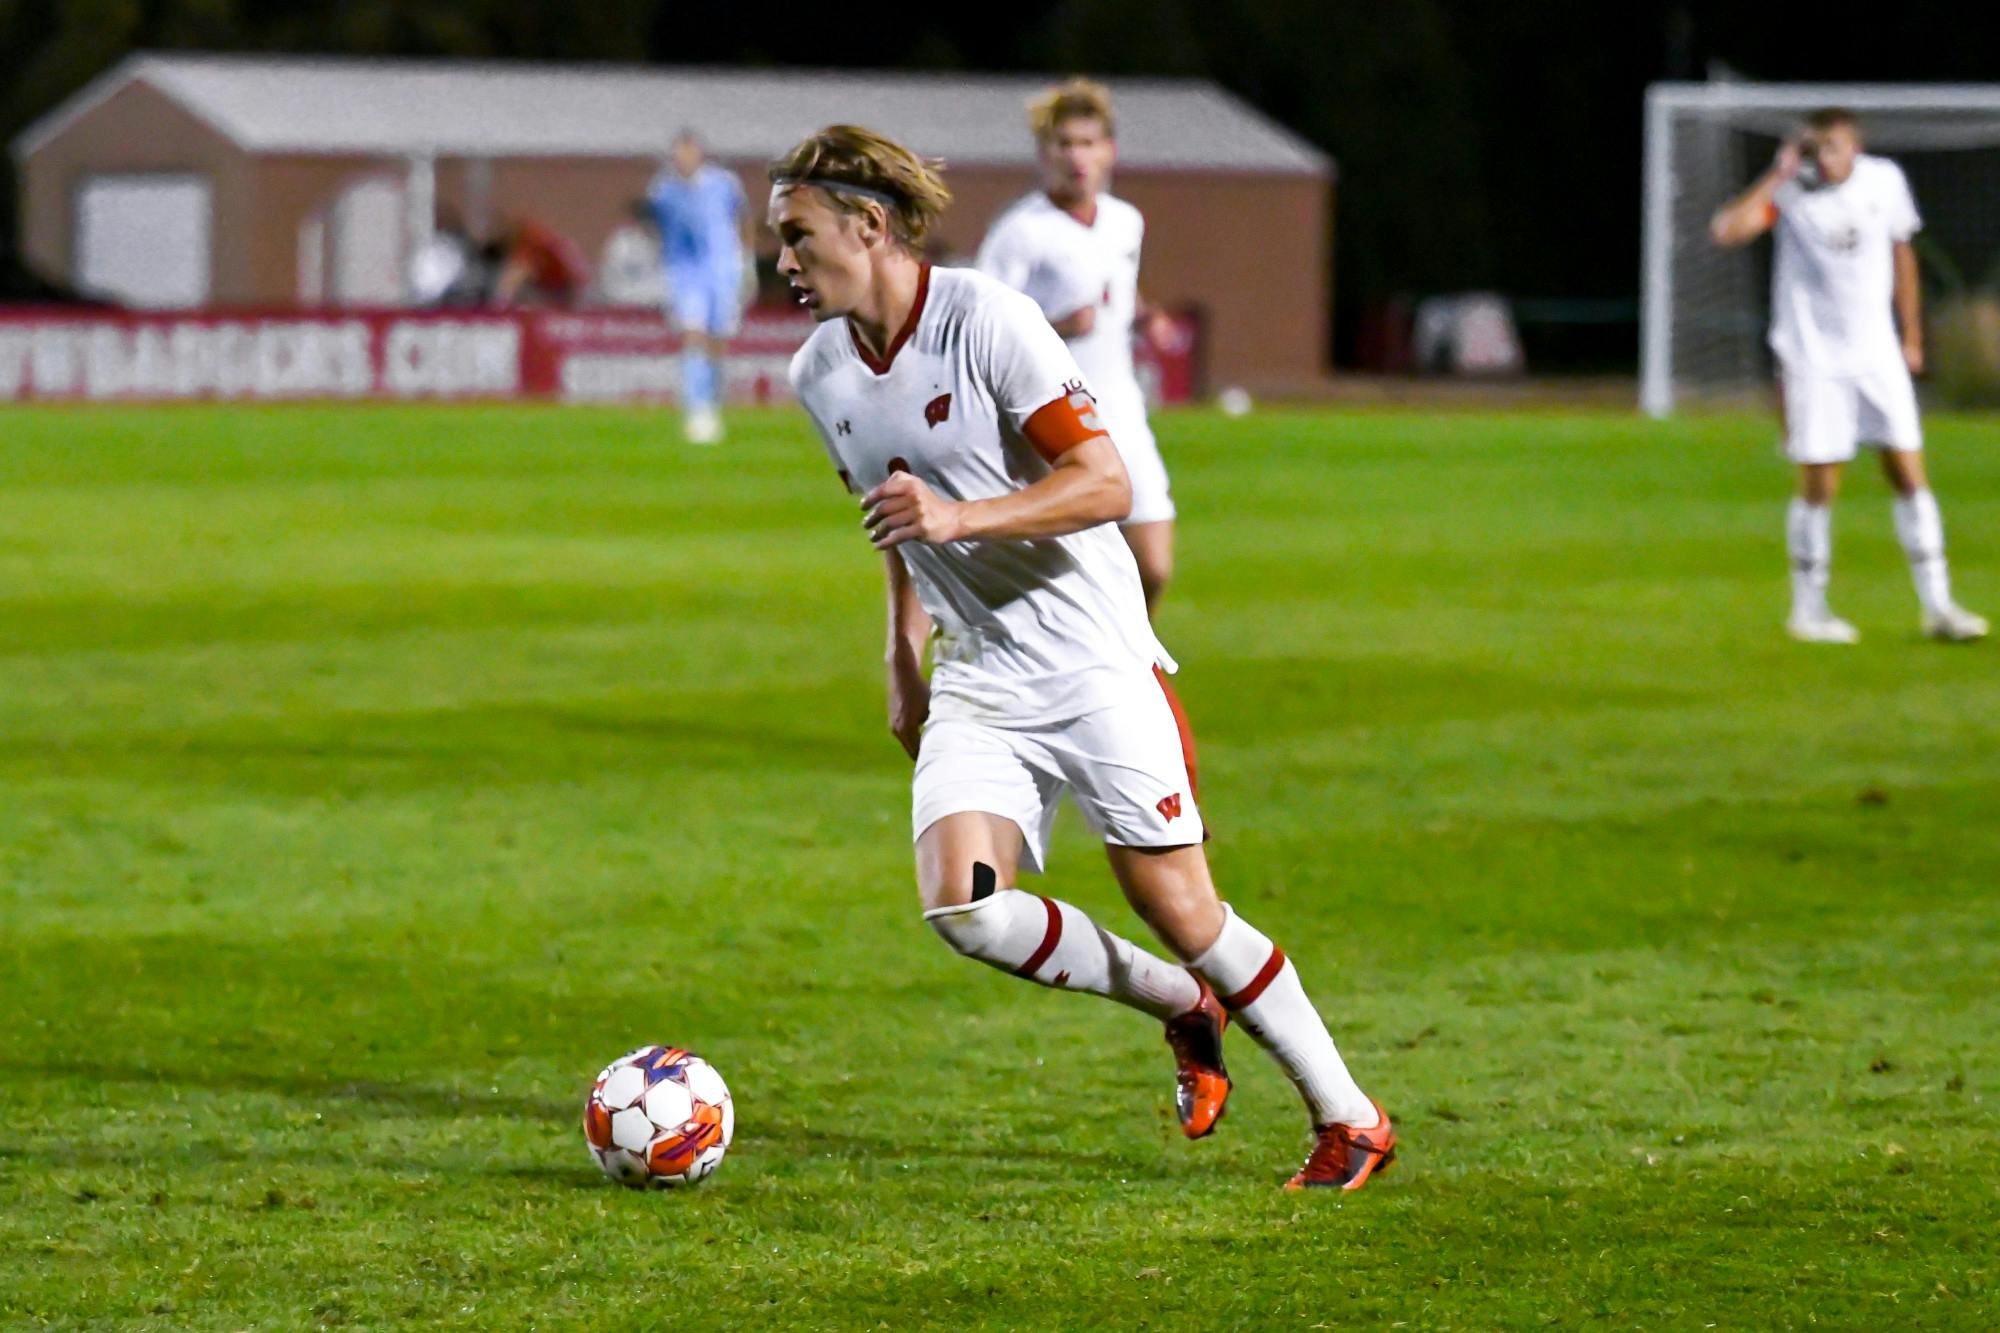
658 1117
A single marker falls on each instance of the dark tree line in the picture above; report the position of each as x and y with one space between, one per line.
1479 144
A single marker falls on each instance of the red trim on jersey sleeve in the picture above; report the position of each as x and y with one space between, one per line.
1059 426
881 365
1771 214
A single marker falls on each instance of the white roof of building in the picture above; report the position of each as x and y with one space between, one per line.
321 105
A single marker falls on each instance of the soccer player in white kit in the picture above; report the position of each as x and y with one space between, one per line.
956 413
1844 219
1074 248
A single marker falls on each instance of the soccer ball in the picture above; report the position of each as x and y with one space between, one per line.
658 1117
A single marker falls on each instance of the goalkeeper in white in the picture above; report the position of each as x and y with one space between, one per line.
1844 219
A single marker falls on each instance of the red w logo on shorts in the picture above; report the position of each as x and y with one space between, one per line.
1169 806
937 409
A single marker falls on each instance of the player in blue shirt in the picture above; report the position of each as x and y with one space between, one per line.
704 225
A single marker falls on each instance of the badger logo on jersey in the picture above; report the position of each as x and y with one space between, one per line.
936 410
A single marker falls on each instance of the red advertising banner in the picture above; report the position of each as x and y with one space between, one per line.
618 356
588 356
107 356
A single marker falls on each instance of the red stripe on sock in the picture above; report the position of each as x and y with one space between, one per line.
1050 937
1248 995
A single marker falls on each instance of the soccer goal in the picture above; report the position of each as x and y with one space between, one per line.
1704 309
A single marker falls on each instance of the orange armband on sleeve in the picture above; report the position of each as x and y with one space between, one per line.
1771 214
1059 426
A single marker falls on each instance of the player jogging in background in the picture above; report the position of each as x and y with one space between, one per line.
1844 219
987 480
1074 248
704 225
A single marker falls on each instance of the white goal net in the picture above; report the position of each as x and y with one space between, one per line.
1704 309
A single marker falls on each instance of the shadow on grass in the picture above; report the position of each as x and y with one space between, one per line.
798 1141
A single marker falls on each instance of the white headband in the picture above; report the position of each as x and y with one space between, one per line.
882 197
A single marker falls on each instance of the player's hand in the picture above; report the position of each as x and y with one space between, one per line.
909 709
905 509
909 699
1786 164
1913 355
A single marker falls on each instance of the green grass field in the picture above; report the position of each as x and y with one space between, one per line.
368 778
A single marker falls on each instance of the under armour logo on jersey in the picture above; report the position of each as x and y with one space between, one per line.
843 428
936 410
1169 806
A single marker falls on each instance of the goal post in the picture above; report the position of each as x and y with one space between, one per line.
1703 309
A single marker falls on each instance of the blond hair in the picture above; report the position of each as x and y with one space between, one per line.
1077 99
853 167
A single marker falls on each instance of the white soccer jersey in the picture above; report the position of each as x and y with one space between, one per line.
1065 264
1029 632
1833 280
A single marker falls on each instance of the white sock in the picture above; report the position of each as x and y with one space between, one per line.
1809 541
1261 989
1057 945
1920 528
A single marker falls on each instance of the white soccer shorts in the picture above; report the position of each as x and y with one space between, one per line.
1127 764
1828 417
1152 501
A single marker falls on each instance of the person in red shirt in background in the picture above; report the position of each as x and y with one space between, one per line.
541 267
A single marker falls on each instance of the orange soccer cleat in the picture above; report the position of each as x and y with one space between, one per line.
1344 1157
1201 1081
